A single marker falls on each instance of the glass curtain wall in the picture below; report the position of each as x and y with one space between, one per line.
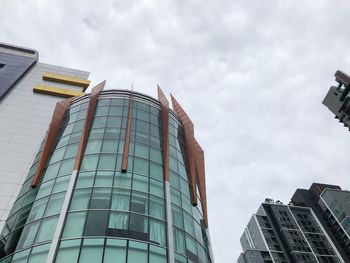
190 239
33 218
112 216
115 216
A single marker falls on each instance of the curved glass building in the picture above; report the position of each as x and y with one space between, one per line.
118 178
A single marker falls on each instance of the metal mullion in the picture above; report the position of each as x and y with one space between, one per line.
104 248
81 246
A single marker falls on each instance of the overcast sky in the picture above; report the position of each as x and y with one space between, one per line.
251 75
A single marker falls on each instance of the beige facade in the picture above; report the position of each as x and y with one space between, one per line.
24 119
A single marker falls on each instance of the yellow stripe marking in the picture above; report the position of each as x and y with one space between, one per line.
50 90
66 80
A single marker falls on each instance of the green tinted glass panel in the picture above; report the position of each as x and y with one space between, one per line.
107 161
85 179
57 155
74 225
45 189
39 254
115 251
67 166
122 180
157 255
140 183
156 171
38 209
120 200
174 181
21 257
141 166
177 216
61 184
141 150
156 188
179 241
91 251
118 220
155 155
47 229
71 150
189 224
93 146
55 204
104 178
81 199
137 252
51 171
157 232
191 244
99 122
68 251
175 197
89 162
110 146
28 235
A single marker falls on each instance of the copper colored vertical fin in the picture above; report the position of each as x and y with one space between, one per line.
165 131
200 174
50 139
190 145
127 137
95 92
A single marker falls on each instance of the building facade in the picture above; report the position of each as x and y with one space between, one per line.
286 233
331 205
118 178
29 91
337 99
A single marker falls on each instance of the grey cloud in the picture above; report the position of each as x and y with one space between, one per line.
251 74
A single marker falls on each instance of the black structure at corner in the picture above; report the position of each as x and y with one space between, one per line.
328 219
337 99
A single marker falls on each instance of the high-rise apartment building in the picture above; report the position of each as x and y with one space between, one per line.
29 91
286 233
119 178
337 99
331 205
313 227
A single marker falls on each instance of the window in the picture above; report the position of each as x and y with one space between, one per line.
107 162
117 220
96 223
179 241
47 229
110 146
100 198
137 252
104 178
89 162
55 204
38 209
68 251
85 179
157 232
61 184
92 251
157 255
74 225
120 200
81 199
156 207
140 183
115 251
39 254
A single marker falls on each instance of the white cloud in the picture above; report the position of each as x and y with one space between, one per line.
251 74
